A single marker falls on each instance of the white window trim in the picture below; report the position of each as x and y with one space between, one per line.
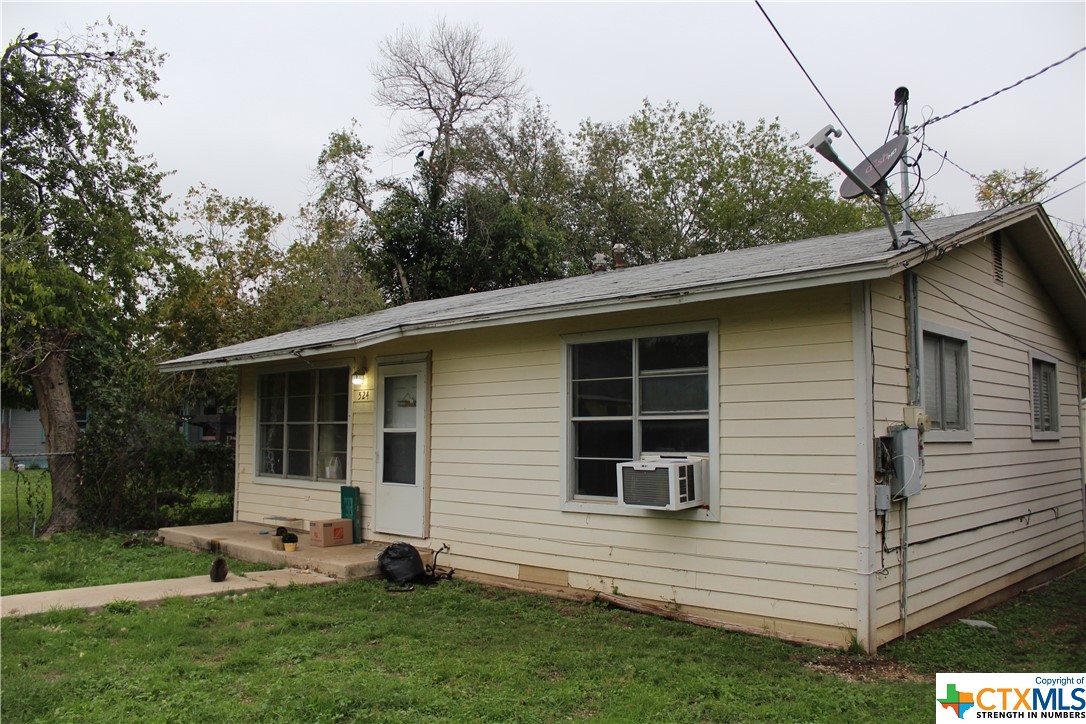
968 434
572 504
289 482
1036 434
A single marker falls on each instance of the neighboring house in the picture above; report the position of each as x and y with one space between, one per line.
22 439
205 421
493 422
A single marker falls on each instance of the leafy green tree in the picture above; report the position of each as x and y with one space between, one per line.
214 291
717 186
83 226
604 207
320 278
415 234
522 153
1004 187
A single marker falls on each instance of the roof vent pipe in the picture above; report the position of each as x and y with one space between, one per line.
599 263
619 256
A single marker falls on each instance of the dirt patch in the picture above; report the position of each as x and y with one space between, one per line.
863 668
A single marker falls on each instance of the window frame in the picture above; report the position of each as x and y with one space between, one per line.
966 434
1040 358
314 479
570 501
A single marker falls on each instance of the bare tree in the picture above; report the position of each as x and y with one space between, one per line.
439 81
1075 239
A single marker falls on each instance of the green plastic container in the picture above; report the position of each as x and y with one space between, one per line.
350 507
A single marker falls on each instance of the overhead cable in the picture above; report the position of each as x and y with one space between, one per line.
1056 196
1001 90
809 78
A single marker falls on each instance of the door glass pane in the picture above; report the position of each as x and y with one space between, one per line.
399 458
400 402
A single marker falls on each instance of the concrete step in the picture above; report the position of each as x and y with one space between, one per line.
253 543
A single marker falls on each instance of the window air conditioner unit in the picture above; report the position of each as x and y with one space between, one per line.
662 483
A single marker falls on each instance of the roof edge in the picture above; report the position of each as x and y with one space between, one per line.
738 288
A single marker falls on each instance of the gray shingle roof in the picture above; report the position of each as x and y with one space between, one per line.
864 254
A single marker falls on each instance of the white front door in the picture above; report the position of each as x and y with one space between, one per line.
401 449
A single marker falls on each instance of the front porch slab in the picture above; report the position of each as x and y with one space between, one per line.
247 542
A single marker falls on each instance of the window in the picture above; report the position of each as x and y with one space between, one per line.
634 396
945 386
303 424
1045 405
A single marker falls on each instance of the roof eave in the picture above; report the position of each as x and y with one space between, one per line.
744 287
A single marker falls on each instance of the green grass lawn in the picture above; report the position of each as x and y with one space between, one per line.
457 652
73 560
25 500
462 652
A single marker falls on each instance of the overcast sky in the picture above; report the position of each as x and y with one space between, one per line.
253 89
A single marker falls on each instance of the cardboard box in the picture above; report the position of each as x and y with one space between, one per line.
334 532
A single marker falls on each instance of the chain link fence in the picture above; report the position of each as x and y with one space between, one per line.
26 498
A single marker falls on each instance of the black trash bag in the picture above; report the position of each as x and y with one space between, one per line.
401 563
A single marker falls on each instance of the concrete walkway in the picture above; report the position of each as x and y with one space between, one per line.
309 565
150 592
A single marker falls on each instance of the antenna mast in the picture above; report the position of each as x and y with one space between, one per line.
901 104
869 178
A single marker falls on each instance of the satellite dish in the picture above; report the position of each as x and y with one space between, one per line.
876 167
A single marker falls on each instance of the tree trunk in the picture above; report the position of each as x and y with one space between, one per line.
50 381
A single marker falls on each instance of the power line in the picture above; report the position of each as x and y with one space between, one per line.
1024 194
829 105
946 158
1001 90
1042 184
809 78
1019 197
1053 198
1073 224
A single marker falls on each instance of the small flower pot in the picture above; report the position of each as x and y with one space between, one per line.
290 547
277 542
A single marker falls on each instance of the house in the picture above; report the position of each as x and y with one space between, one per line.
802 372
205 421
22 439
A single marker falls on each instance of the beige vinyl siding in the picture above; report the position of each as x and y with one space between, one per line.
783 555
1024 495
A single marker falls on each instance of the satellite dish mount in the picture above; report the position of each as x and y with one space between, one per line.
869 178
